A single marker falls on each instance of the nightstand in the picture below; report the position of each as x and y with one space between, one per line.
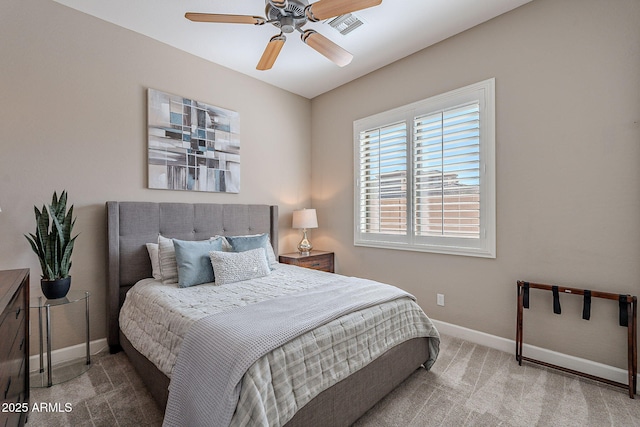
317 260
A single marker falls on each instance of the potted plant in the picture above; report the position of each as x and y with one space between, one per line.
53 244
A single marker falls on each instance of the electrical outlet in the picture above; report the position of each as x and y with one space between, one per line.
440 299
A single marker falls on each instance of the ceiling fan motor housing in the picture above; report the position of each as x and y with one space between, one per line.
288 15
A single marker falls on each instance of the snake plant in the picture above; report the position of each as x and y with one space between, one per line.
53 242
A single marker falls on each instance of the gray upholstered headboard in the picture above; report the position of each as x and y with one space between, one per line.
130 225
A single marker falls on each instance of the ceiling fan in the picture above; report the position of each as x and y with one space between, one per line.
292 15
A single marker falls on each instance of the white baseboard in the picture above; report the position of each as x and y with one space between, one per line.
560 359
68 353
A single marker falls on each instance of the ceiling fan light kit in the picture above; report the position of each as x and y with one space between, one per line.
290 16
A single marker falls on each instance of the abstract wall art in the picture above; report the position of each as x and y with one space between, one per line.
192 145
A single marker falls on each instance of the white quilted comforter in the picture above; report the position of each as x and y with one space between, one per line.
156 316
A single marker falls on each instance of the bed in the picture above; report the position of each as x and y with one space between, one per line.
131 225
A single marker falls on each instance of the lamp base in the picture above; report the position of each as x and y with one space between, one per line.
304 247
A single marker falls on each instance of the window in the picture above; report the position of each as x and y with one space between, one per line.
425 175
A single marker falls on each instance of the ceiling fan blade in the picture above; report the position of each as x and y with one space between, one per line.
271 52
228 19
279 4
325 9
326 47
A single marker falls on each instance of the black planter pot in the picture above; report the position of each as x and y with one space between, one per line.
54 289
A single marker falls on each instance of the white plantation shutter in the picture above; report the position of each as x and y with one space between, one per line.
447 173
383 172
425 175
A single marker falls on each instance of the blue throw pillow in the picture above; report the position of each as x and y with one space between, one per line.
194 264
246 243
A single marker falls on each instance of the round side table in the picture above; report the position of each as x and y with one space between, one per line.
66 370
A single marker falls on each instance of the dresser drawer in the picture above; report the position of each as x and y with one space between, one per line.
15 308
14 344
16 414
15 388
12 368
12 318
12 386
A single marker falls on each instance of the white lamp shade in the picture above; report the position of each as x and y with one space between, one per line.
305 218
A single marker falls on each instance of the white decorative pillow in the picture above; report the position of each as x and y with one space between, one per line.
152 248
230 267
167 260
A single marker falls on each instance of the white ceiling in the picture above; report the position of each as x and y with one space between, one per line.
392 30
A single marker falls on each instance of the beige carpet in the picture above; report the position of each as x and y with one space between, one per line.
469 385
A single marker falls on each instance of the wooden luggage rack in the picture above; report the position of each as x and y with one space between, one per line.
628 318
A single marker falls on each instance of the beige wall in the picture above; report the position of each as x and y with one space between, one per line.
568 155
73 116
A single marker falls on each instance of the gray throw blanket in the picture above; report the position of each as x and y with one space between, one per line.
218 349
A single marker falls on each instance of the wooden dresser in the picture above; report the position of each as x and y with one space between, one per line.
317 260
14 350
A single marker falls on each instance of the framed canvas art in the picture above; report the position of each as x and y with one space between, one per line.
192 145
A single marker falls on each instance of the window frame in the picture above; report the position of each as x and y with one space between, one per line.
485 244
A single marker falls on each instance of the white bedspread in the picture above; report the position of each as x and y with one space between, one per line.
155 317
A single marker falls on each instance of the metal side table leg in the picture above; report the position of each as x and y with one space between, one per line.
88 337
40 331
49 366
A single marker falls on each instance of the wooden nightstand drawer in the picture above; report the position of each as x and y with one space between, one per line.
317 260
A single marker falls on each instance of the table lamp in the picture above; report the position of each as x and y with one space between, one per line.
305 218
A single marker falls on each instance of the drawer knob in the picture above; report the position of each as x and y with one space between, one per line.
317 264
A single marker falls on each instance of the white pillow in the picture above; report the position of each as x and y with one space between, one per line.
230 267
152 248
167 260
